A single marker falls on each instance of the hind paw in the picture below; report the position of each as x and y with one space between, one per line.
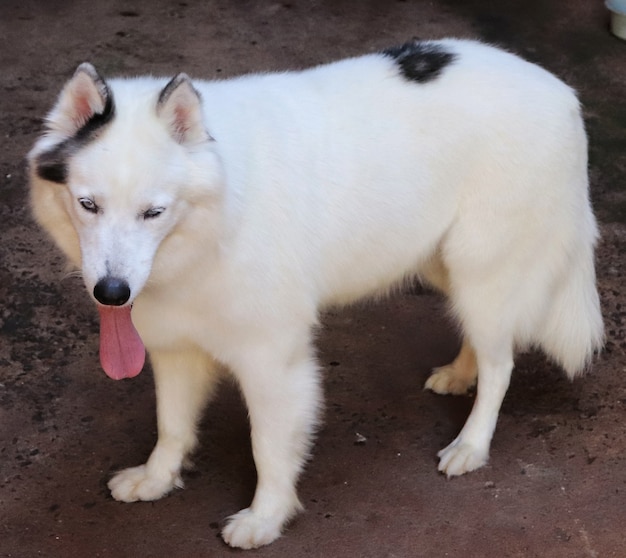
460 457
139 483
447 380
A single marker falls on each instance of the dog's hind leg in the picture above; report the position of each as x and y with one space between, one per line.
487 318
184 381
470 449
459 376
282 392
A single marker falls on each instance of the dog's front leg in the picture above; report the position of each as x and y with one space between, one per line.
283 397
184 380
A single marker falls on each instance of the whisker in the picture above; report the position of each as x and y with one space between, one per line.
74 273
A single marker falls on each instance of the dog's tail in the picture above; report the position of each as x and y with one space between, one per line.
573 330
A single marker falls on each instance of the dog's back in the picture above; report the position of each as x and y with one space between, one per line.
483 164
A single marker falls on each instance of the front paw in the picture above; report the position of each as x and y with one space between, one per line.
247 530
461 457
139 483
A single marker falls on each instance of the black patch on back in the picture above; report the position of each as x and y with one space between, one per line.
421 61
52 164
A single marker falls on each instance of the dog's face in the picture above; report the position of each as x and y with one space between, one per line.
115 173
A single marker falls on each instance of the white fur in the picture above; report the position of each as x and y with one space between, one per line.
321 187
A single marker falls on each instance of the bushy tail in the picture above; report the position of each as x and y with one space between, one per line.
574 330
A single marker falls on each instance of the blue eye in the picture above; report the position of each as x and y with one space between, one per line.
153 212
88 205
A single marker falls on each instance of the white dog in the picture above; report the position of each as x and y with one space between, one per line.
226 214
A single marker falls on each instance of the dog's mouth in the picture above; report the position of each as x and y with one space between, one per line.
122 353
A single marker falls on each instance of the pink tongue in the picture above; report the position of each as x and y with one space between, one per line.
122 353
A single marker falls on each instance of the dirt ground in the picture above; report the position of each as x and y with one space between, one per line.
556 482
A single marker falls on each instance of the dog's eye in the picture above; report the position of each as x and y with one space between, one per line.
88 205
153 212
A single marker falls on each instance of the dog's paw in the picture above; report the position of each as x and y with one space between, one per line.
247 530
447 380
460 457
139 483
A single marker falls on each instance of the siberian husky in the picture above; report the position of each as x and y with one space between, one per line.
223 216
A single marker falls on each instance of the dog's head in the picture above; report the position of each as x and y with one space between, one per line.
116 169
123 173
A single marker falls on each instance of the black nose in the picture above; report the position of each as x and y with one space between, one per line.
111 291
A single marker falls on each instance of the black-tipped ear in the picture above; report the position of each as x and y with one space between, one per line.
85 98
180 108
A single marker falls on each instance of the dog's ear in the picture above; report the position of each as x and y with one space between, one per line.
180 107
84 98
